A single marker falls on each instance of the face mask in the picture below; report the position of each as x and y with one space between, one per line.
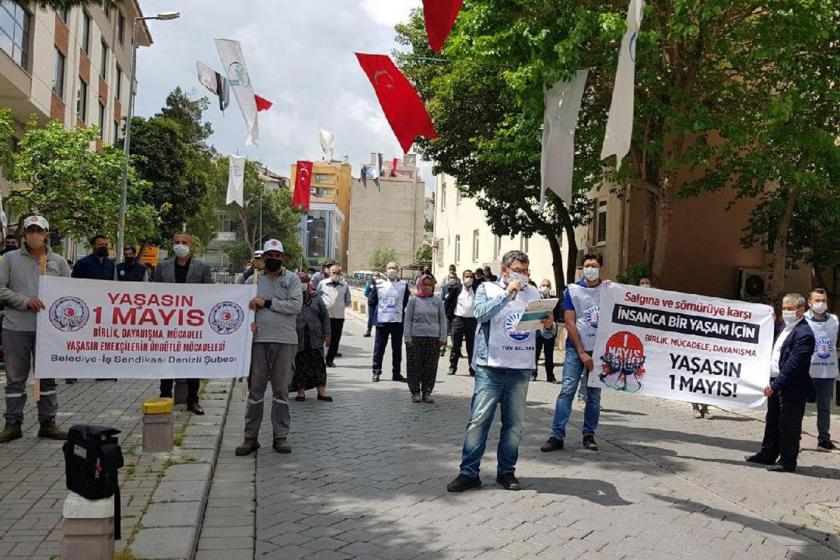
391 273
819 308
10 247
789 317
514 276
129 260
336 278
645 286
545 290
591 273
453 281
468 282
273 265
101 251
181 250
35 240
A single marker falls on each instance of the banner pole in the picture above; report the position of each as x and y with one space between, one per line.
42 263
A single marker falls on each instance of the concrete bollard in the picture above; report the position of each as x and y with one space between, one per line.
180 392
158 432
88 528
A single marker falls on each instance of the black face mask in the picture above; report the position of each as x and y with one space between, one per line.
101 252
129 260
273 265
11 247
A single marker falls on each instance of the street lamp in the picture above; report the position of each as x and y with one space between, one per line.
163 16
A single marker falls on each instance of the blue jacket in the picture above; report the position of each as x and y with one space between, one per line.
89 267
794 378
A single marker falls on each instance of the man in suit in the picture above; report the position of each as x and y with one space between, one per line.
183 269
789 389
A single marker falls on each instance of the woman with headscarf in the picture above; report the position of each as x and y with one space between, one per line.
313 329
425 334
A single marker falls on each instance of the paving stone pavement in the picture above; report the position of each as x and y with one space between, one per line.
367 476
162 493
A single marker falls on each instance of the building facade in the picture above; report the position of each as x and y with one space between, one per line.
325 231
390 215
462 237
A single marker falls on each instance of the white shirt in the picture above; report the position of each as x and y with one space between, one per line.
775 367
465 307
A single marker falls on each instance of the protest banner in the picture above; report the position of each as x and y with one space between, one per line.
128 330
683 347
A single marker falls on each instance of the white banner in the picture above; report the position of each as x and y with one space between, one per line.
683 347
236 181
128 330
240 82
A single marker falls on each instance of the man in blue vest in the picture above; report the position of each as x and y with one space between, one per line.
505 360
390 298
581 309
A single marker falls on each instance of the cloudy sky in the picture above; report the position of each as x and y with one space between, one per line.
299 55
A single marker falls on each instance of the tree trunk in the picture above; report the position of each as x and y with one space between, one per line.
571 263
664 210
648 227
556 261
776 290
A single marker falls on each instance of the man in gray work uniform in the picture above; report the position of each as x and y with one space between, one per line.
278 303
19 274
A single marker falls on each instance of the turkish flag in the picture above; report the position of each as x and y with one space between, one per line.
403 108
303 182
262 104
440 16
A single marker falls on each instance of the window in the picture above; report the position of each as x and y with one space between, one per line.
58 77
64 14
497 246
118 84
101 121
457 249
121 29
601 223
475 245
523 243
324 179
442 196
103 64
81 101
86 33
106 7
14 31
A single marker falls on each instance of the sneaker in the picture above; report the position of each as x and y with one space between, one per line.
427 398
451 371
709 415
589 442
552 380
463 482
399 378
415 397
697 413
375 377
330 364
553 444
249 445
826 446
281 445
366 335
508 481
759 459
50 430
10 432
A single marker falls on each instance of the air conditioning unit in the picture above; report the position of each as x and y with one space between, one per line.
752 283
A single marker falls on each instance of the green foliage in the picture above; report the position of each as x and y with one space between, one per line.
7 136
381 256
633 274
59 175
424 253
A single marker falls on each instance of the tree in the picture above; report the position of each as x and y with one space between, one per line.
708 75
381 256
7 138
424 253
58 174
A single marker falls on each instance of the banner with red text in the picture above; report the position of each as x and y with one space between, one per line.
683 347
127 330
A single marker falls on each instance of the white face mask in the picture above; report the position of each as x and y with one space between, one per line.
35 240
514 276
545 290
789 317
468 282
819 308
181 250
591 273
391 273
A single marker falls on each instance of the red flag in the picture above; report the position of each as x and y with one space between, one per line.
440 16
403 108
303 182
262 104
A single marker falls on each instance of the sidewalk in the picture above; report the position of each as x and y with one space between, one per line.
162 494
368 473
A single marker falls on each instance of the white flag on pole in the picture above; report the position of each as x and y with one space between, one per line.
620 120
236 181
327 142
240 82
562 105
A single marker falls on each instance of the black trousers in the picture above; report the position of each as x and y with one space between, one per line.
336 328
783 429
462 328
548 344
192 389
384 331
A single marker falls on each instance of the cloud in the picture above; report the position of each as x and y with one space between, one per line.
299 55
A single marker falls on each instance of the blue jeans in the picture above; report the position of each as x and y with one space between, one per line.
508 387
825 388
573 370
